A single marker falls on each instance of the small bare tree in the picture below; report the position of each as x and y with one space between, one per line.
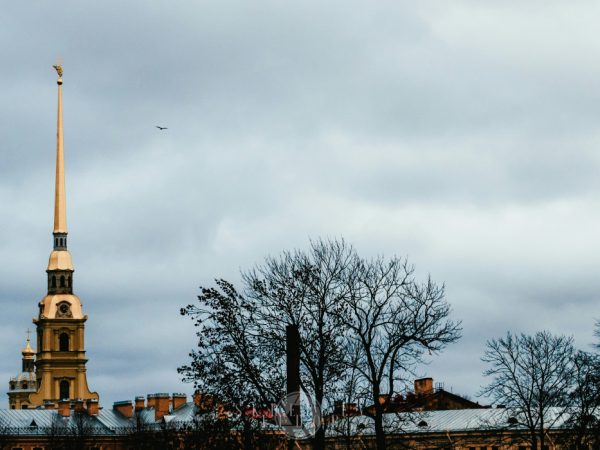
531 375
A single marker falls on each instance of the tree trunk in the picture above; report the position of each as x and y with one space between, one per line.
248 436
379 431
319 439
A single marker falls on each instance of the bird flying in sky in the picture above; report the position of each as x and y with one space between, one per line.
161 128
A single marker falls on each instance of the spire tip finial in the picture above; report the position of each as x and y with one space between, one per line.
59 71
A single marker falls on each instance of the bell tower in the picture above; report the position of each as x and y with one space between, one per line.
60 324
24 384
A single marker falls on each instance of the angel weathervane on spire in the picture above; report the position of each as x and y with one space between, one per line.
59 69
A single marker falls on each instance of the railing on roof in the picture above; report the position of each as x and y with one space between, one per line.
86 430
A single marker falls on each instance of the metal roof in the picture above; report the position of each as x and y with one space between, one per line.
457 420
110 422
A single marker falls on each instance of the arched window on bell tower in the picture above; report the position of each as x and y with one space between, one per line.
64 390
63 342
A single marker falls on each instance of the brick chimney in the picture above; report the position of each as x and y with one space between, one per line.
161 403
151 403
92 407
125 408
49 404
64 408
424 386
79 405
178 400
197 397
140 403
203 402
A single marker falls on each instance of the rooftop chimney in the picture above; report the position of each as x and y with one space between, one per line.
197 398
161 403
64 408
178 400
424 386
140 403
125 408
79 408
92 407
49 404
151 401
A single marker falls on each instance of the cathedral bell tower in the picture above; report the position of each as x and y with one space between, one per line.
60 358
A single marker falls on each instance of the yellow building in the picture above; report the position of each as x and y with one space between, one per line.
60 371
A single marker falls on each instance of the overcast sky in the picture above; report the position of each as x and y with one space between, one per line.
464 135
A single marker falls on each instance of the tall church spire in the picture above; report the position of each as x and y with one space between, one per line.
60 199
60 359
60 266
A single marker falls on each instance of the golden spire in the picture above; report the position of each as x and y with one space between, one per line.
60 199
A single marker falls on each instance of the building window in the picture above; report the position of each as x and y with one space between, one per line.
24 385
62 281
53 281
70 282
64 390
63 342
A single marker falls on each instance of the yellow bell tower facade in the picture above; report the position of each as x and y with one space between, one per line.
60 325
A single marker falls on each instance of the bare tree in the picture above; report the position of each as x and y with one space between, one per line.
233 363
307 290
341 305
531 375
241 337
582 426
393 320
